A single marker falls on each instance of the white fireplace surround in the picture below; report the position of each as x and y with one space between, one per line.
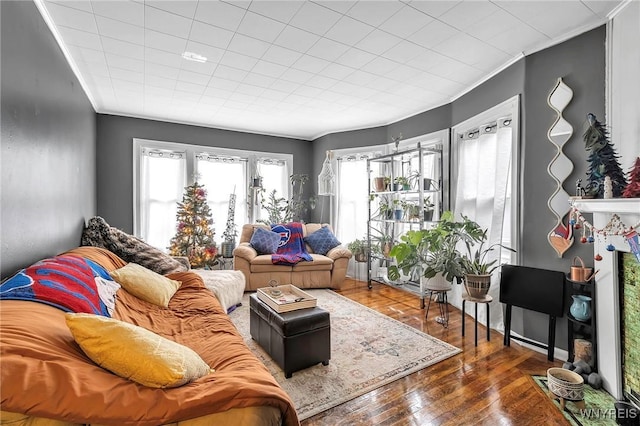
607 285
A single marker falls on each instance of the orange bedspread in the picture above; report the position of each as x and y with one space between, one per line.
44 373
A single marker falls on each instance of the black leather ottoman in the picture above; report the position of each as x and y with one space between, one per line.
296 339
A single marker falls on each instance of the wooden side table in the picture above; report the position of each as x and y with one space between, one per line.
486 300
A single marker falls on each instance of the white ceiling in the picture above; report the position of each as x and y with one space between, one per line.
300 68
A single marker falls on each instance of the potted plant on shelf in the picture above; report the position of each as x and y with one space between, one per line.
384 210
382 243
401 183
398 209
427 210
381 183
360 249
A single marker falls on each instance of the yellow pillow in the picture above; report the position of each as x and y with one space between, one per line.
135 353
146 284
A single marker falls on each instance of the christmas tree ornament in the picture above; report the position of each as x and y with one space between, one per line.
590 239
603 161
597 257
611 247
584 235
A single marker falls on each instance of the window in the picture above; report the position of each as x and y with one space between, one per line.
275 177
163 176
486 168
163 169
352 184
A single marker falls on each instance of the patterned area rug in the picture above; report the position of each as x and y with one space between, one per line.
368 350
599 409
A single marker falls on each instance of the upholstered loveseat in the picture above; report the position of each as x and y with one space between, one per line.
324 271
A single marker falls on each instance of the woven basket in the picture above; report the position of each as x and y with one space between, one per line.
477 286
565 384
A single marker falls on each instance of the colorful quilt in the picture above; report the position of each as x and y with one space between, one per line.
291 249
66 282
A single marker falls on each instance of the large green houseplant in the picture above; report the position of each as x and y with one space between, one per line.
436 251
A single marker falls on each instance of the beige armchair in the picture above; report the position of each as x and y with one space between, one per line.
325 271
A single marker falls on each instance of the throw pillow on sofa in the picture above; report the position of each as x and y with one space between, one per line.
264 241
135 353
322 240
98 233
146 284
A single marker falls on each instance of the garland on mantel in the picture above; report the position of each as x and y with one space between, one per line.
615 227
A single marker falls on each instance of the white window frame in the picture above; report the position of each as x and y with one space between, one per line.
511 108
191 151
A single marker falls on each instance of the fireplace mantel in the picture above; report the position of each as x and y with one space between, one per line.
610 206
607 285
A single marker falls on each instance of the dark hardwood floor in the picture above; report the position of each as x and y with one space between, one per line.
485 385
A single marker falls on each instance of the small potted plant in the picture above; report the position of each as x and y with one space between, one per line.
427 210
398 211
360 249
477 270
385 207
382 242
401 183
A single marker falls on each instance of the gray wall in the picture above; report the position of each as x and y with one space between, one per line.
50 175
48 143
115 156
580 61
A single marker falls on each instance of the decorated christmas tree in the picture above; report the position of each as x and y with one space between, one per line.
194 236
633 188
603 160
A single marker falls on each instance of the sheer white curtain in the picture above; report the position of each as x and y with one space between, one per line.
483 193
352 205
163 178
222 176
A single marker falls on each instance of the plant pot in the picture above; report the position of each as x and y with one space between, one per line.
226 248
360 256
397 214
437 283
428 215
386 249
477 286
426 184
565 384
378 184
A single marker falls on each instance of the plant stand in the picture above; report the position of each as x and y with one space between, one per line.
486 300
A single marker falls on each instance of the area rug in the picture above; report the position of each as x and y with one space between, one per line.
599 409
368 350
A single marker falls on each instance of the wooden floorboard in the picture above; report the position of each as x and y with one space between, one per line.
485 385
